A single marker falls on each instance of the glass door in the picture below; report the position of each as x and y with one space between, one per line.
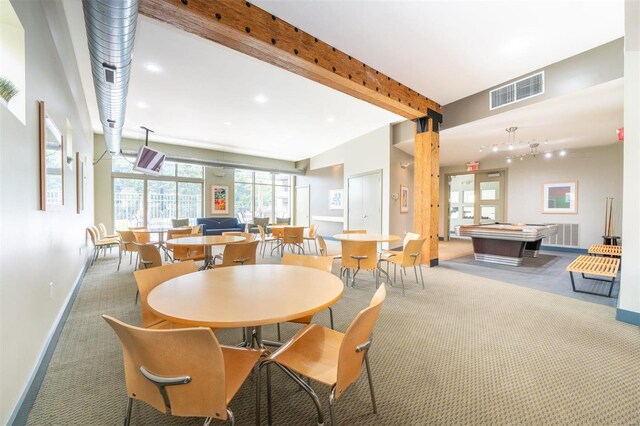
490 200
461 201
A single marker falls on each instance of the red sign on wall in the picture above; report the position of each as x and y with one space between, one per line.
620 133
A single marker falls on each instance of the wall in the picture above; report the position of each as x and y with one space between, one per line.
45 246
400 223
601 64
629 298
320 181
103 181
599 175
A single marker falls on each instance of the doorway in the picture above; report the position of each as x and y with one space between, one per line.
364 195
475 197
302 206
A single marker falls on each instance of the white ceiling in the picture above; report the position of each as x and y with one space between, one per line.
447 50
566 122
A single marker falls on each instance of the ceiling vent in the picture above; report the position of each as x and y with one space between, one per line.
517 91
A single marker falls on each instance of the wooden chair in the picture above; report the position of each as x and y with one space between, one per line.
354 231
103 232
183 372
323 249
311 236
323 263
196 230
127 240
149 256
175 233
328 357
294 238
148 279
264 239
356 256
183 253
410 256
99 244
239 254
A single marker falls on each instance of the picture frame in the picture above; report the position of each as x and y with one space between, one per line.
404 199
52 162
336 199
219 199
79 183
560 198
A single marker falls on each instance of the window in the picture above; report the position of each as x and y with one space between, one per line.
262 194
144 200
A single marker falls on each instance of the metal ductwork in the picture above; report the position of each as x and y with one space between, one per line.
111 29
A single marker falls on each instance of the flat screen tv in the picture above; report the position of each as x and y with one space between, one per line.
149 161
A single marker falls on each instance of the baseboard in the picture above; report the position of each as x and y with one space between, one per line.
629 317
564 249
25 403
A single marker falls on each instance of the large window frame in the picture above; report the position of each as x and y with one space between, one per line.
273 184
146 179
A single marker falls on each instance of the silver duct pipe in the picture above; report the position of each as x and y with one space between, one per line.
111 29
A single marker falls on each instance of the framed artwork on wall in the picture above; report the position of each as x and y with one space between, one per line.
335 199
404 199
79 183
560 198
52 159
219 199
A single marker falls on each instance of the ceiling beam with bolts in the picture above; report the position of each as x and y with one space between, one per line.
246 28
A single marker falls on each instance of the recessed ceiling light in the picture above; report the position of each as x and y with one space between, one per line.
227 123
508 159
152 67
261 99
510 147
142 105
330 119
563 153
494 149
548 155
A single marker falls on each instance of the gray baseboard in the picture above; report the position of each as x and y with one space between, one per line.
629 317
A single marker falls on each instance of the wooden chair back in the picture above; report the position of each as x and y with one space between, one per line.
232 233
126 240
92 234
293 235
359 248
408 237
196 230
240 254
313 230
142 237
359 333
148 279
149 256
263 235
248 236
323 245
184 253
277 232
323 263
354 231
412 253
102 231
192 352
177 233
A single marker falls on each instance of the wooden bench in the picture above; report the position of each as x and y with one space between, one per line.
605 250
594 265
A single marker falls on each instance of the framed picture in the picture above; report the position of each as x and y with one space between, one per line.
219 199
560 197
335 199
79 183
404 199
52 159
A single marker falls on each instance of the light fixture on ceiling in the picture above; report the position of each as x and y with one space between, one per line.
261 99
331 119
404 164
562 152
142 105
154 68
227 123
548 154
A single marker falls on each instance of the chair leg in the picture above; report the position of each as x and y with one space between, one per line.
279 336
421 277
231 420
127 417
316 243
332 409
331 317
137 295
130 257
373 395
402 281
269 411
306 388
119 261
415 270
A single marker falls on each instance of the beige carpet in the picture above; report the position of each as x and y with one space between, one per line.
466 350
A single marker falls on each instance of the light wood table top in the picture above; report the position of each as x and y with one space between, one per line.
206 240
380 238
245 296
150 230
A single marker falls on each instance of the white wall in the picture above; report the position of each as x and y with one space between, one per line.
598 172
38 247
629 298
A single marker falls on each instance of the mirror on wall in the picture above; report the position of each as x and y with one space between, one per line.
51 163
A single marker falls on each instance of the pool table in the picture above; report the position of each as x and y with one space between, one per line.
506 243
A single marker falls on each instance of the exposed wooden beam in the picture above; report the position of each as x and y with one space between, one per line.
246 28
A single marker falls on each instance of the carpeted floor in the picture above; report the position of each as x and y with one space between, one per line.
466 350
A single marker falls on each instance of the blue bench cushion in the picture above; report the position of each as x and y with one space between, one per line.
218 225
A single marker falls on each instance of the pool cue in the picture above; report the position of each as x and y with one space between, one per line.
611 218
606 206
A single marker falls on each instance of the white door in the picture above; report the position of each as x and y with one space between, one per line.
365 202
302 206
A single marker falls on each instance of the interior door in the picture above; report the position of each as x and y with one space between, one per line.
355 209
302 206
372 203
490 197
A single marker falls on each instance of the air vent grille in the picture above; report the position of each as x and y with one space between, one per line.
517 91
567 236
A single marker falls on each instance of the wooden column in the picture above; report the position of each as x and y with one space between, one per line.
426 183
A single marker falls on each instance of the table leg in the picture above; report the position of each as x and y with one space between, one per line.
208 258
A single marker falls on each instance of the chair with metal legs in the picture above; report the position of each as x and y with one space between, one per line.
99 244
357 256
311 236
127 240
182 372
409 257
326 356
264 239
293 237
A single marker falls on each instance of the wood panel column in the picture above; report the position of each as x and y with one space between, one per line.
426 183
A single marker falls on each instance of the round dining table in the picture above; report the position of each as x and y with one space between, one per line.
207 241
247 296
378 238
